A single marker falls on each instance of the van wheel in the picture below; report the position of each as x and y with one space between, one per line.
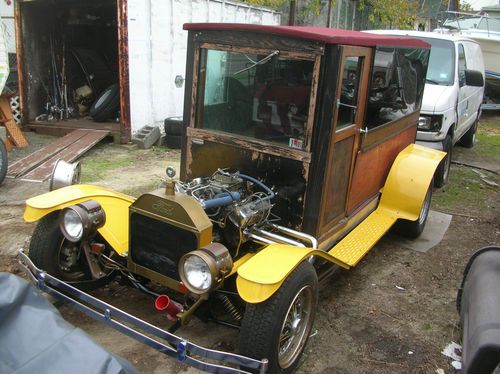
413 229
278 328
469 137
443 170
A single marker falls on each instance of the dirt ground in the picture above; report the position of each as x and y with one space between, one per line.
394 312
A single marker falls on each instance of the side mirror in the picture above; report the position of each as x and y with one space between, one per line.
474 78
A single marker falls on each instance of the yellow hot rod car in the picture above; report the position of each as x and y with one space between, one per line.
298 156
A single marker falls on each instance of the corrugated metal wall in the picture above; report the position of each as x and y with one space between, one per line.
157 50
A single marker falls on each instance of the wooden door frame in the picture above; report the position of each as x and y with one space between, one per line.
351 130
123 66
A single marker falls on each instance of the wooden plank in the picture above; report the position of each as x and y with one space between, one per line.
14 134
69 154
31 161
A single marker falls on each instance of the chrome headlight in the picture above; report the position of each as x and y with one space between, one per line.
202 270
81 221
424 123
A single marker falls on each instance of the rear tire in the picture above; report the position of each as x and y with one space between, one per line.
469 137
443 171
3 161
278 328
413 229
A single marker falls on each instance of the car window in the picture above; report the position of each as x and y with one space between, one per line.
349 91
397 84
263 96
462 65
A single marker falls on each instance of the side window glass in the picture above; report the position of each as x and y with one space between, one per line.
347 104
397 84
462 65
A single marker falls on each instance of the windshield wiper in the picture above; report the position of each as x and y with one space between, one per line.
260 62
427 80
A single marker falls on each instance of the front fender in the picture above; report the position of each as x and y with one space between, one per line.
402 198
115 204
262 275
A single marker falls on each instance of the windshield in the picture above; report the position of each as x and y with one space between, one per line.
263 96
481 23
441 66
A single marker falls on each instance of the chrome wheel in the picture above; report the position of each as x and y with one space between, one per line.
296 327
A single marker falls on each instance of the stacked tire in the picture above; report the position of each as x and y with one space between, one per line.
173 132
106 105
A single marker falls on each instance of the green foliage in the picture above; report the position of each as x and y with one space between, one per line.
465 7
394 14
273 4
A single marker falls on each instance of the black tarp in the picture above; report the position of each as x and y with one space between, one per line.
34 337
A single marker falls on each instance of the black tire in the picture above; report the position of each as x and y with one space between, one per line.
3 161
443 170
106 104
413 229
265 324
468 139
49 249
173 141
174 126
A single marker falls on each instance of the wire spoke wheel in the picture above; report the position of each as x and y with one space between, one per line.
298 322
279 327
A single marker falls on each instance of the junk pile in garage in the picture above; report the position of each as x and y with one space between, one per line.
71 56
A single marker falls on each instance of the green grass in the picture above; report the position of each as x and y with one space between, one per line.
97 166
489 141
464 189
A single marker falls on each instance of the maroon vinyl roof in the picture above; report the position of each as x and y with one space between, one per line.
320 34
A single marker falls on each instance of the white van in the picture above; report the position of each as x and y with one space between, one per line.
453 94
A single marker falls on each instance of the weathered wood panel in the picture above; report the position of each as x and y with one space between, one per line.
36 158
372 167
69 154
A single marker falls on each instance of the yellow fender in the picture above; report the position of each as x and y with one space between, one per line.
402 198
115 204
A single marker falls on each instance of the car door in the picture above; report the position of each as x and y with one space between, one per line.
344 144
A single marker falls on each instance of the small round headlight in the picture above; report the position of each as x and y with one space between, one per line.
204 269
197 273
72 225
81 221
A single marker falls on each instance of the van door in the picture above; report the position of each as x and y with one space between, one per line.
347 122
463 96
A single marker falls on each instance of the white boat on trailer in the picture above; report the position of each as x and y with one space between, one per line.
485 30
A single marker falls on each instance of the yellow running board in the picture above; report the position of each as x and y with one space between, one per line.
359 241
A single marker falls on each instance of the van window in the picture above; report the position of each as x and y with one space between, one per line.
441 70
462 65
397 84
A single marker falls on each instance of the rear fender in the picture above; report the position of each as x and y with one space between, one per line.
408 181
114 231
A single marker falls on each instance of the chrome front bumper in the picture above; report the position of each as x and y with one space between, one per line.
167 343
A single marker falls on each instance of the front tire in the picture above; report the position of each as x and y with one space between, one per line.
443 171
52 252
278 328
413 229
